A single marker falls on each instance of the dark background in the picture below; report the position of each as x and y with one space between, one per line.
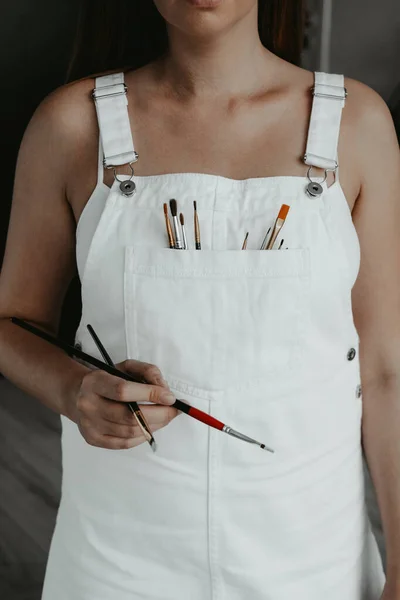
361 40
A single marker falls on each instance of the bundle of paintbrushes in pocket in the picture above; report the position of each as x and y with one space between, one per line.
177 234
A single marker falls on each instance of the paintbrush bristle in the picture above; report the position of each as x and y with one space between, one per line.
181 218
173 206
264 447
283 211
165 209
195 204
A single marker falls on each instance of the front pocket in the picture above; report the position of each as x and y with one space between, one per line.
214 320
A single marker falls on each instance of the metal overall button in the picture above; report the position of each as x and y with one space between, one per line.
315 189
351 354
127 187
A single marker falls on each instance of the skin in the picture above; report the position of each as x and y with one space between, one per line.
218 103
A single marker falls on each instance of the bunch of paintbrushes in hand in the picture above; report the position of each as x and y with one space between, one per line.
177 236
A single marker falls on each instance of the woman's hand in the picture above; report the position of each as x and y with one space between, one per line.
100 409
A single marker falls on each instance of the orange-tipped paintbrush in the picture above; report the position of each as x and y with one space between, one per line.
278 225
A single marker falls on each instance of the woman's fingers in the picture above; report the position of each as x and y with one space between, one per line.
145 372
115 388
103 417
156 417
117 436
113 443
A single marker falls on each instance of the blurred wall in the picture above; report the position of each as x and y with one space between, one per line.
366 42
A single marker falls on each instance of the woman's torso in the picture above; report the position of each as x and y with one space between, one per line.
264 341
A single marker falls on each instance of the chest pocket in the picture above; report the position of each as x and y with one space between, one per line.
214 320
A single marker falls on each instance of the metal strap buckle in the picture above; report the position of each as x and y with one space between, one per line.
96 92
135 158
305 157
331 96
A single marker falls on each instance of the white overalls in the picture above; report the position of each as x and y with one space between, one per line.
264 341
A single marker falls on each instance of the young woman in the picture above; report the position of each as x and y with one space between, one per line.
275 343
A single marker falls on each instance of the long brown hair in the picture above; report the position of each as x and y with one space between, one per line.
119 34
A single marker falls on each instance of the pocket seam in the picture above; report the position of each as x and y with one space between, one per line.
275 265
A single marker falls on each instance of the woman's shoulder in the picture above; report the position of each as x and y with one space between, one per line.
365 113
70 108
363 102
66 116
361 98
366 119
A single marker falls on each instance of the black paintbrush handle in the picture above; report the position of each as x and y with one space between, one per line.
182 406
71 350
133 406
100 346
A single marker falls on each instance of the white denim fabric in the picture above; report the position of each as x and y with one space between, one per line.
260 340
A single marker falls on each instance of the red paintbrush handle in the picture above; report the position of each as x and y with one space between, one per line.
198 414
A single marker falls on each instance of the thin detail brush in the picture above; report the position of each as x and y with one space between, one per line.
196 227
133 406
182 220
264 243
174 211
212 422
245 241
169 228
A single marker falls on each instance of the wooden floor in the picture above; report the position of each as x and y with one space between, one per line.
30 479
30 476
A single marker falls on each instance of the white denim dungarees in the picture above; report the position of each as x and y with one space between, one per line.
264 341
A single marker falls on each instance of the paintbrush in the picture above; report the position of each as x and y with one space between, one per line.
182 220
196 227
198 414
245 241
134 407
193 412
278 224
264 243
168 226
174 211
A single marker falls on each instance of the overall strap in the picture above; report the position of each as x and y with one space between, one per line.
112 113
326 113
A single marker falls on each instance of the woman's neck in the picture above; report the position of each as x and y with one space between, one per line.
230 63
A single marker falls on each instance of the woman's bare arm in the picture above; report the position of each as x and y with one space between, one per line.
39 260
376 306
38 266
